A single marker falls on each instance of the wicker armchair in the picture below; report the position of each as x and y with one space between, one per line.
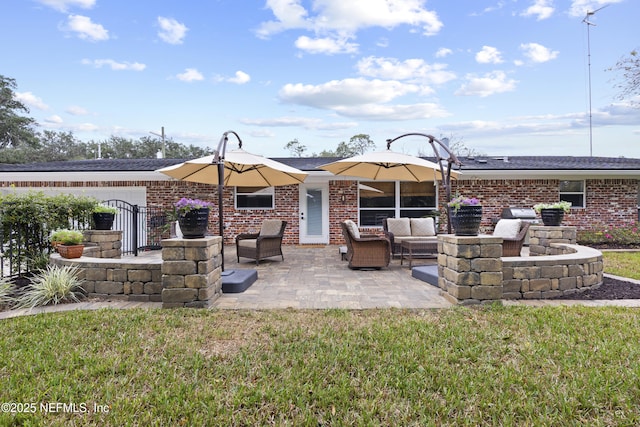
365 251
265 244
513 246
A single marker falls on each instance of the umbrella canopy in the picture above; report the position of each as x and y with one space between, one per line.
387 166
241 169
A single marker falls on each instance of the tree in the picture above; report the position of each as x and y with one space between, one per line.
15 130
455 144
295 148
630 68
360 144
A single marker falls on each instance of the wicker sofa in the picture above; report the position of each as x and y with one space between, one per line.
365 250
403 229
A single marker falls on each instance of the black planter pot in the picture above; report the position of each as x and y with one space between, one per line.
552 217
103 220
466 220
194 223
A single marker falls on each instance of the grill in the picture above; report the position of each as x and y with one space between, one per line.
525 214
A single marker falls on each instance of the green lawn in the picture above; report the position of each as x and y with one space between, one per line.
625 264
463 366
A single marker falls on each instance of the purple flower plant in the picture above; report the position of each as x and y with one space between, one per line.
186 205
459 201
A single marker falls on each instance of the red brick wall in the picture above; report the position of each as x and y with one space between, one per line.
609 202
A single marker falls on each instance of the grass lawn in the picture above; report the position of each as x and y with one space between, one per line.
625 264
488 365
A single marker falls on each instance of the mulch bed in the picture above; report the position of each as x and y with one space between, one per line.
610 289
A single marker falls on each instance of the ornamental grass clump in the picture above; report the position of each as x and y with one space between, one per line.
7 290
54 285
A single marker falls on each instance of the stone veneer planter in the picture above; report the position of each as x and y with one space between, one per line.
472 270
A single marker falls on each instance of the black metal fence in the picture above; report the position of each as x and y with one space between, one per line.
25 249
142 226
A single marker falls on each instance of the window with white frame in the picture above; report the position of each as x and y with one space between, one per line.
574 192
254 197
378 200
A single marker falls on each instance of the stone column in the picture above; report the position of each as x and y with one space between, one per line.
191 272
108 242
541 237
470 268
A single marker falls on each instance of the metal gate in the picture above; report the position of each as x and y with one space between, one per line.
142 226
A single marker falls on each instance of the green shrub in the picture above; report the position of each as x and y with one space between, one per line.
101 208
52 286
67 237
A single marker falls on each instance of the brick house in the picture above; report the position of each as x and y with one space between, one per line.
603 191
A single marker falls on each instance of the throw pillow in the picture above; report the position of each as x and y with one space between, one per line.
507 228
399 226
422 227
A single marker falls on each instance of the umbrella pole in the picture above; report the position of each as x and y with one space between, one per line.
446 178
221 207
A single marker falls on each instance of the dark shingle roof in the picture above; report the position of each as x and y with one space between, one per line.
311 163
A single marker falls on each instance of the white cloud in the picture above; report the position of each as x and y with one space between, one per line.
114 65
340 20
345 92
190 75
579 8
54 120
489 84
240 78
64 5
537 53
325 45
75 110
542 9
86 29
387 112
411 69
30 100
302 122
443 51
489 55
171 31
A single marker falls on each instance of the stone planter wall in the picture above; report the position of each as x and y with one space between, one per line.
542 237
128 279
472 270
109 243
191 272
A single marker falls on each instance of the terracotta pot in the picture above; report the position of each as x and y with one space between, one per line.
70 251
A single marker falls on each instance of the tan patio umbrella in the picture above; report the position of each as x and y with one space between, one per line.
241 169
235 168
393 166
387 166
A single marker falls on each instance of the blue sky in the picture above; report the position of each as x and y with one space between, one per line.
507 77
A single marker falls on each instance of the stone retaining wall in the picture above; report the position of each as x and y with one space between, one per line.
108 242
472 270
542 238
127 279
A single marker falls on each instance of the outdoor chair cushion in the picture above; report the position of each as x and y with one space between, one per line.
270 227
399 226
422 227
248 243
507 228
355 231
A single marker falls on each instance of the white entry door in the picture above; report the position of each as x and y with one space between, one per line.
314 213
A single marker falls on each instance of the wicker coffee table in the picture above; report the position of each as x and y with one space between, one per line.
413 249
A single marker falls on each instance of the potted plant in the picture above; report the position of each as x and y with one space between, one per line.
193 217
466 215
67 242
552 213
103 216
